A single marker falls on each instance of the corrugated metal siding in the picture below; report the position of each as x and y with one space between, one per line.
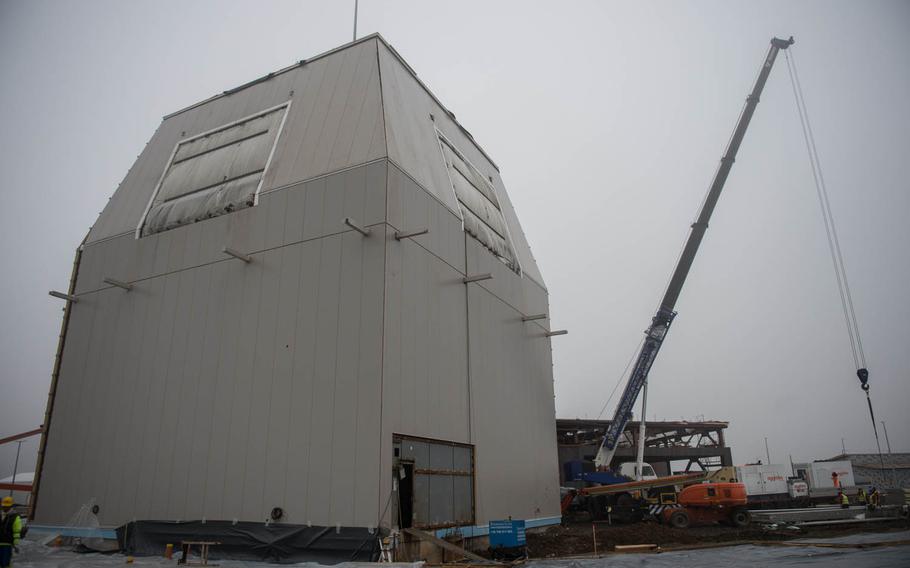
522 294
412 144
425 364
221 389
513 413
335 121
299 212
410 208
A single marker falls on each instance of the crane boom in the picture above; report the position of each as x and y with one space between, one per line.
660 323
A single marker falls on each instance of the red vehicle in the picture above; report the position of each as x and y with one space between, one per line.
707 503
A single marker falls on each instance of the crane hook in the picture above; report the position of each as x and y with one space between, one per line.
863 375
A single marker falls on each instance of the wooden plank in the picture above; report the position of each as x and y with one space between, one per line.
634 547
21 436
445 545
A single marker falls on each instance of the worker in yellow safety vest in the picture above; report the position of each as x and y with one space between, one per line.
874 499
10 529
843 500
861 497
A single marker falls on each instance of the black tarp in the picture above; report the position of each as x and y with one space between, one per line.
275 542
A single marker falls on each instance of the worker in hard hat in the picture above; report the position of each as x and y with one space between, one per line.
861 497
10 530
843 500
874 499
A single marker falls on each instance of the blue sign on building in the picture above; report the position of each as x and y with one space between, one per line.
507 534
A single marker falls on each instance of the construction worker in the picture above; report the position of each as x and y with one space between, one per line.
10 529
861 497
874 499
843 500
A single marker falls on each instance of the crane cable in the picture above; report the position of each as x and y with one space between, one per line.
837 258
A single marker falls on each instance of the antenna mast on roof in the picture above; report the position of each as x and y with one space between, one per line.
355 20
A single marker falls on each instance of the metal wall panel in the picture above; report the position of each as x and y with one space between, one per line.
305 211
523 294
442 492
335 121
462 459
463 499
425 363
514 356
411 207
513 414
441 457
412 144
420 515
223 389
442 501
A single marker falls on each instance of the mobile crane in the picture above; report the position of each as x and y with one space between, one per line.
660 323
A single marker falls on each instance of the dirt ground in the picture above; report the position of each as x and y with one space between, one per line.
577 538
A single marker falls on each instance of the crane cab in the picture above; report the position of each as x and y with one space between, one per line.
630 470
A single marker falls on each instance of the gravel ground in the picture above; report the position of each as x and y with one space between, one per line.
577 538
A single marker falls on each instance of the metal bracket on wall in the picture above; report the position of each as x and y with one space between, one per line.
63 296
118 283
409 234
534 317
236 254
556 332
362 230
477 278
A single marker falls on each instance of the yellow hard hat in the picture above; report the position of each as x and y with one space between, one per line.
7 501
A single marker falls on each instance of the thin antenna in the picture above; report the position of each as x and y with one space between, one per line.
355 19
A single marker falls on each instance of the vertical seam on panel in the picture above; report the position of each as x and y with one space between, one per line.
197 379
313 377
181 376
268 413
385 127
249 397
385 279
385 282
292 375
344 111
215 390
84 366
293 367
467 335
215 381
356 125
335 380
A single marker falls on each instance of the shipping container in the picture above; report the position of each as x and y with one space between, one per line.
819 475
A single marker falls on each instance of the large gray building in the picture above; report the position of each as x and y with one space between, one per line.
236 346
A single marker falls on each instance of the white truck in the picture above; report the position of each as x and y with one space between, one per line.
776 485
826 478
767 485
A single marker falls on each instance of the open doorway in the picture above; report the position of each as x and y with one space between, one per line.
405 474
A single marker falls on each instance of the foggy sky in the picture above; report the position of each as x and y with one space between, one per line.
607 121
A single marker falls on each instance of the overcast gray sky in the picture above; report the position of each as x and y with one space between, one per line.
607 120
